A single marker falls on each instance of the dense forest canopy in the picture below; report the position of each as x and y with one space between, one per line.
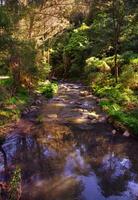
91 40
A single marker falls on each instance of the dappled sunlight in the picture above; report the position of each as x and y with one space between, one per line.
72 150
4 77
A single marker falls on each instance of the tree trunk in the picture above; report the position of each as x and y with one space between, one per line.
116 27
115 54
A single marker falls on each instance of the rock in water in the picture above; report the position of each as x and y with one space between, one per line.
114 132
126 134
84 93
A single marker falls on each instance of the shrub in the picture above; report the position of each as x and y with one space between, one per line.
129 77
110 60
47 89
94 64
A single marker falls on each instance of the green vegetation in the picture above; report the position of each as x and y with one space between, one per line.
119 100
48 89
15 185
69 52
11 103
97 45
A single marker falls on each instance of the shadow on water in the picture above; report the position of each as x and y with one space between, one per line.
71 154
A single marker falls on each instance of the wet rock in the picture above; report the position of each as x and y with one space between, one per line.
126 133
77 86
68 89
78 103
26 111
56 99
90 96
84 93
12 106
93 115
86 105
114 132
85 127
38 101
97 100
79 110
52 116
72 102
90 117
102 119
77 120
33 108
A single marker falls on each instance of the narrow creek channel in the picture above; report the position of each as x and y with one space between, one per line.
71 154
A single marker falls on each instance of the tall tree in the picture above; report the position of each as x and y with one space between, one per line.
117 17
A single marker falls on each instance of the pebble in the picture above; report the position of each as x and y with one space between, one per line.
97 100
102 119
52 116
126 134
38 102
114 132
90 117
84 93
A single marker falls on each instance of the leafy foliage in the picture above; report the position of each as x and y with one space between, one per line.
47 89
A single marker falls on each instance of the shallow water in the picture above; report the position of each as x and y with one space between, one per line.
71 153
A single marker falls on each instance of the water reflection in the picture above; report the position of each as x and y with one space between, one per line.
61 161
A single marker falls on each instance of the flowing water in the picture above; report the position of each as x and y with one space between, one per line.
67 151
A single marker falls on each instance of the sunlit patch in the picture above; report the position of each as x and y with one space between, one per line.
78 120
54 116
4 77
94 114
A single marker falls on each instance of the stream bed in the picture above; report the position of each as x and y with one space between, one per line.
67 151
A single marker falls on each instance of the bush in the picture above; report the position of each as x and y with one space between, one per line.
120 99
110 61
47 89
129 77
94 64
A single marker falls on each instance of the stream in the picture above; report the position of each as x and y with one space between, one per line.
66 151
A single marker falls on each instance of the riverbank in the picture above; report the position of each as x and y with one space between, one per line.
14 105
